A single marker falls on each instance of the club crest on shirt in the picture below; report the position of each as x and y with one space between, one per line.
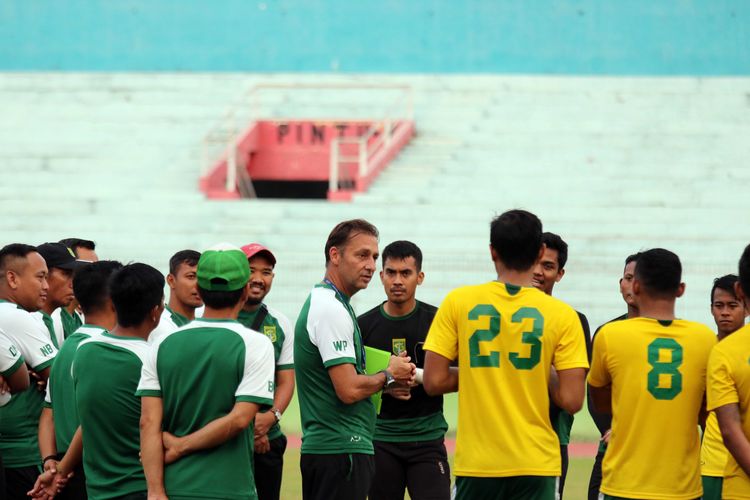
270 332
399 346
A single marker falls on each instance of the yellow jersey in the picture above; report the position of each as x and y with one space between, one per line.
505 339
728 382
713 452
657 370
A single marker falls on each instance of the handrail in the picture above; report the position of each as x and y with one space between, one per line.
222 139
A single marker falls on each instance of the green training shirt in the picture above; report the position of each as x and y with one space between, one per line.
106 371
327 335
19 419
61 389
200 371
278 329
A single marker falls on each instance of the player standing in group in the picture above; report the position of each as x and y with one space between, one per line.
338 417
106 371
183 294
61 264
23 290
270 442
203 385
650 373
550 270
603 421
59 421
728 384
517 348
70 317
729 314
409 446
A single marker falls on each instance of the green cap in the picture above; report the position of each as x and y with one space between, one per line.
223 268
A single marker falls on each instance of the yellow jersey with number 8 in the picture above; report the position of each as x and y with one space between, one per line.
505 339
657 370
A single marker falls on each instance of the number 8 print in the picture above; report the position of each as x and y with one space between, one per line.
659 368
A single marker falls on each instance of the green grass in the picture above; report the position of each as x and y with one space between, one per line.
576 486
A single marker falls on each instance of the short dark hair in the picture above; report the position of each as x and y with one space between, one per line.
14 251
744 272
135 290
189 257
220 299
401 250
516 236
725 283
555 242
344 231
90 284
76 243
633 257
659 272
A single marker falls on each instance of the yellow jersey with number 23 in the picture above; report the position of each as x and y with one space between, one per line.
505 339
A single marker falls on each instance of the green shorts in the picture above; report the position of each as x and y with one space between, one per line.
506 488
609 497
712 487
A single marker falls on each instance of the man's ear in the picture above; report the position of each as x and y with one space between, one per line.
560 275
680 290
740 293
334 255
636 287
12 279
420 277
170 281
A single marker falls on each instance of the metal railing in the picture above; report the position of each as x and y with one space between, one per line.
220 143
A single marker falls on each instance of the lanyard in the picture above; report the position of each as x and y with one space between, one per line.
358 343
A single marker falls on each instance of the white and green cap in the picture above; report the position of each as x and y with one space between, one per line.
223 268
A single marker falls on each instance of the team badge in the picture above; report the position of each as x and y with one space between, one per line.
270 332
399 346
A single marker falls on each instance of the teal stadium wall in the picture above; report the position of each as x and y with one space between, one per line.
618 37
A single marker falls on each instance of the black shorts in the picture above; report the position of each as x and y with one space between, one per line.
19 480
421 467
344 476
269 467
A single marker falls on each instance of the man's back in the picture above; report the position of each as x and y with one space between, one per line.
61 388
729 382
657 370
106 371
506 338
203 368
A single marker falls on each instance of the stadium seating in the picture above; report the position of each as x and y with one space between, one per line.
614 165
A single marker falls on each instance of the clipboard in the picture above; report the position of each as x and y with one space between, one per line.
376 360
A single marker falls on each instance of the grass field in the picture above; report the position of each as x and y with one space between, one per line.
575 486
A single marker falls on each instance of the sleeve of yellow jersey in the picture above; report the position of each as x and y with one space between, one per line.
598 374
720 387
442 337
571 348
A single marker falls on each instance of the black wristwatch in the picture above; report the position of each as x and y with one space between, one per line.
389 380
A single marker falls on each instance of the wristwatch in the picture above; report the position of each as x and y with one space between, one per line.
389 380
276 413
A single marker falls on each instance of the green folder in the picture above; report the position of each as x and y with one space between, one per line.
376 361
